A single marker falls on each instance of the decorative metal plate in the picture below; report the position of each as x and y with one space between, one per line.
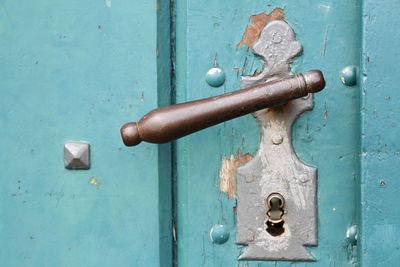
276 168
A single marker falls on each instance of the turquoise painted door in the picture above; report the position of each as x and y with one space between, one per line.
349 135
78 70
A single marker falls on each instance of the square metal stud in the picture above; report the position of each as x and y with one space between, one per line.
76 155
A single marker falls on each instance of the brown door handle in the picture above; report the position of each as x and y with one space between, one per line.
169 123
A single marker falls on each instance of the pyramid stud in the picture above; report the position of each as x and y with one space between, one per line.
76 155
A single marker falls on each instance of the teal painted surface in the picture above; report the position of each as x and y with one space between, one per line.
78 70
219 234
380 213
349 75
327 137
215 77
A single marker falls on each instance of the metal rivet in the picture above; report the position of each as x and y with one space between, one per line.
303 178
348 75
76 155
351 235
277 139
249 178
215 77
219 234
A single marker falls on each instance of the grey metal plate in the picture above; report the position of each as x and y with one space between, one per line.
276 168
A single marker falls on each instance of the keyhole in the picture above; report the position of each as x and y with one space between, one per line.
275 222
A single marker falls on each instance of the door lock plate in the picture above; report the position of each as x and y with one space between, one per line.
273 230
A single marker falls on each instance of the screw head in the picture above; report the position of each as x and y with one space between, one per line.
249 178
304 178
348 75
277 139
219 234
76 155
215 77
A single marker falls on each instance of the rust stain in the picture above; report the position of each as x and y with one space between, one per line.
227 174
259 21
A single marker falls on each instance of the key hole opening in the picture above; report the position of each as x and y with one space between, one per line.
275 229
275 222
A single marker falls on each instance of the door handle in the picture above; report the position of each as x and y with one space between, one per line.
172 122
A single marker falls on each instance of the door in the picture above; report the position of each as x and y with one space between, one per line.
349 136
77 70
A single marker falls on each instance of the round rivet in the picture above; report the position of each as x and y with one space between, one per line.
303 178
215 77
219 234
249 178
277 139
348 75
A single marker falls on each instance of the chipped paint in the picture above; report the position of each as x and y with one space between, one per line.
325 41
259 21
326 7
93 181
326 112
108 3
227 174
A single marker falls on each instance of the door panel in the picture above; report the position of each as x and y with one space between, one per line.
327 137
76 71
380 184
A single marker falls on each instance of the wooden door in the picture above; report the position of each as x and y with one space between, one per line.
76 71
328 137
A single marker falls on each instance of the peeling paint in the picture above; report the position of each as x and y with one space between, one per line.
326 112
259 21
227 174
93 181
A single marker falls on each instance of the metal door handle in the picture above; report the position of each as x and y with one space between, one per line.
169 123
